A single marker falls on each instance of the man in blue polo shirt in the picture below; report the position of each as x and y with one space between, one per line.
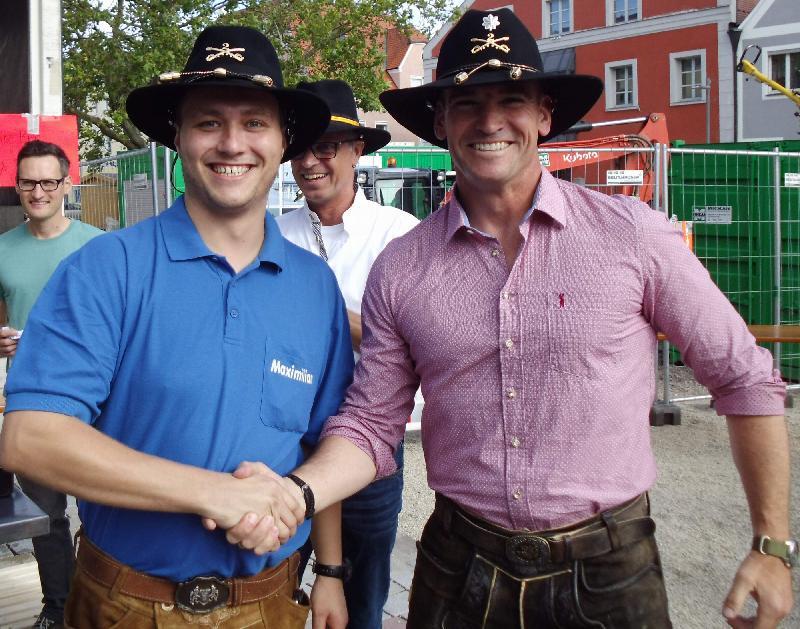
162 358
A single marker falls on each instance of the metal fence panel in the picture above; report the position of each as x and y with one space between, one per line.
740 207
737 204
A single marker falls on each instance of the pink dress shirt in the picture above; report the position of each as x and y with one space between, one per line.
538 380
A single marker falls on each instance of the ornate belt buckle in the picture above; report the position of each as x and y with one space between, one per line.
528 549
202 594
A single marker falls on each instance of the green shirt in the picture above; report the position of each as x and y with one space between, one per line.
26 263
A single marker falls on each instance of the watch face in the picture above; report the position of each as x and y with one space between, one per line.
793 552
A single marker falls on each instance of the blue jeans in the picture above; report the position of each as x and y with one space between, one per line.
55 553
369 528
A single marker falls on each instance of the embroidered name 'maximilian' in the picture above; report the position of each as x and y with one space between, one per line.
301 375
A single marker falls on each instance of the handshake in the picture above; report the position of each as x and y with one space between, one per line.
258 509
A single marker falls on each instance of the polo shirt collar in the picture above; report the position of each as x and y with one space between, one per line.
183 241
548 199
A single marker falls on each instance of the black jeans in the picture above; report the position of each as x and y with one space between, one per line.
55 553
457 586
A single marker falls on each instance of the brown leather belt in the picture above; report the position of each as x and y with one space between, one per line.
199 595
596 536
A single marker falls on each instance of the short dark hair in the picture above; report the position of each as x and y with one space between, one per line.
37 148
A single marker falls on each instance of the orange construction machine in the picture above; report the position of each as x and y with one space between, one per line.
624 163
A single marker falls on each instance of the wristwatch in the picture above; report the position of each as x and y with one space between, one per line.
788 550
342 572
308 495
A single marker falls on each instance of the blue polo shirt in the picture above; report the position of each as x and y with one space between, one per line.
152 338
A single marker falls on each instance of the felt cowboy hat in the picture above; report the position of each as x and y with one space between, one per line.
338 96
228 56
491 48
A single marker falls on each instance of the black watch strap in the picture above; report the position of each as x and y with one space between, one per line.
308 495
337 572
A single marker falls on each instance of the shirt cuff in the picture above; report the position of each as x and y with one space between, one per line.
374 447
765 399
48 403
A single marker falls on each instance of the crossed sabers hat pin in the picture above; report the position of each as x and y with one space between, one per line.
490 22
225 51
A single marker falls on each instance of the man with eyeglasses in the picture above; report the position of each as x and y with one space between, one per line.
342 226
29 254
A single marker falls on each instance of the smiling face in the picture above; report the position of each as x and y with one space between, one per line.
327 184
42 206
492 133
230 141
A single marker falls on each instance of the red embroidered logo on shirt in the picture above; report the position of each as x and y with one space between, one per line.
561 300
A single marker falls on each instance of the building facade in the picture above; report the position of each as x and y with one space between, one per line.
763 113
403 69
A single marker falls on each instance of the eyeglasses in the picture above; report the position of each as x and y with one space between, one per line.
48 185
328 150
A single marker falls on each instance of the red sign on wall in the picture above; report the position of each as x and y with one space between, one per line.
17 129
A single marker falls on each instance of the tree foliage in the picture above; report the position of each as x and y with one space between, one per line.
113 46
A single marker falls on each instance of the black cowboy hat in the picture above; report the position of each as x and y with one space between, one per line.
338 96
491 48
228 56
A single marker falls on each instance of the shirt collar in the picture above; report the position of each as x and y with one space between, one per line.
183 241
547 199
354 217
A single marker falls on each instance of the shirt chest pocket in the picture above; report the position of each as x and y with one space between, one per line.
582 332
289 387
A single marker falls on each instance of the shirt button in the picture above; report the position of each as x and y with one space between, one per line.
511 393
515 442
234 313
517 494
495 253
509 343
504 294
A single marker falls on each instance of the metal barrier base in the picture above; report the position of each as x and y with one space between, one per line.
662 413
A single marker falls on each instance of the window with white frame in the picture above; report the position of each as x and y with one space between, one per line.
383 126
687 80
557 17
415 81
622 85
784 68
621 11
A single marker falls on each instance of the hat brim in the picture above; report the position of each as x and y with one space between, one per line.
574 96
374 139
152 109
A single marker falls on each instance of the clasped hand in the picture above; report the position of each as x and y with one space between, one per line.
259 510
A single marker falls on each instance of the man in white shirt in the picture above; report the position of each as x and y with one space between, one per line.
346 229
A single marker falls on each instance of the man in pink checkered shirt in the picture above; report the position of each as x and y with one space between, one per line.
527 308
